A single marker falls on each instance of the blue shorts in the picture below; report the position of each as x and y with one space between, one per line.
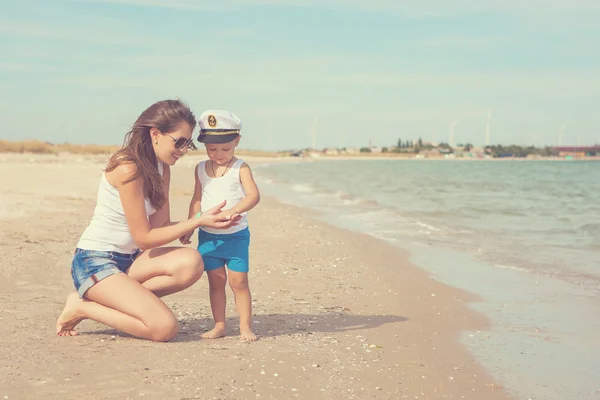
229 249
91 266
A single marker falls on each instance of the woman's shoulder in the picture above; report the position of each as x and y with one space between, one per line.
127 170
124 172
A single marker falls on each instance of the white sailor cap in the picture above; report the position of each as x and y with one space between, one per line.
218 126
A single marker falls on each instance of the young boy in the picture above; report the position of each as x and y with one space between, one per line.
224 177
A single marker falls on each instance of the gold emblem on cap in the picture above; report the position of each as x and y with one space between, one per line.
212 121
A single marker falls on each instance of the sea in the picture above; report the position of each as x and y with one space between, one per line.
523 235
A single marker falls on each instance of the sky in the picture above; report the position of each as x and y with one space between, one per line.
344 73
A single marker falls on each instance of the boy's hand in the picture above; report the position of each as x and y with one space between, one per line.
229 218
185 239
229 215
218 218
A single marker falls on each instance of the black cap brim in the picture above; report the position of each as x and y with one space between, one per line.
217 139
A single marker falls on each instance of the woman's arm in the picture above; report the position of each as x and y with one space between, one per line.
162 217
144 235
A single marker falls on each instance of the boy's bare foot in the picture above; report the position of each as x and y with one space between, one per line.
217 332
70 317
247 334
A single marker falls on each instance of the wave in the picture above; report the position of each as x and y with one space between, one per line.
512 268
525 231
427 226
302 188
592 229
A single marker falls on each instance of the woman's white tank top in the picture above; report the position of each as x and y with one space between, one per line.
227 187
108 230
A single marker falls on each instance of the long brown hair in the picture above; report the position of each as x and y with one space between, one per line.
166 116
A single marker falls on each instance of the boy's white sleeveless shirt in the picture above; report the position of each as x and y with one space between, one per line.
227 187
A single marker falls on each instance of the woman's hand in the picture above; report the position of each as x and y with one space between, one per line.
215 218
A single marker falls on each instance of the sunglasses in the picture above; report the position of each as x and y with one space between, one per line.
182 142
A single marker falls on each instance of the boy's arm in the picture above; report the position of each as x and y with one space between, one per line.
252 194
195 203
195 207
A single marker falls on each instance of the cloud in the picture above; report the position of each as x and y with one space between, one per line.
192 5
406 7
13 67
104 32
461 41
562 17
62 34
25 67
303 78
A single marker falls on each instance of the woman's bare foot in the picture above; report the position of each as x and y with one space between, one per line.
247 334
70 317
217 332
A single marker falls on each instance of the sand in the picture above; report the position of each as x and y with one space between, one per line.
339 315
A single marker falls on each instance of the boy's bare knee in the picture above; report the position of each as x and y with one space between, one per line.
217 279
238 283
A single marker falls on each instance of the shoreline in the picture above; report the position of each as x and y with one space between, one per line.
339 314
446 308
414 157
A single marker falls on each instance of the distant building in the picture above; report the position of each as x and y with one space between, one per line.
435 152
578 151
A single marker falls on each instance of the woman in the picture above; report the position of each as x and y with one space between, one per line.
119 269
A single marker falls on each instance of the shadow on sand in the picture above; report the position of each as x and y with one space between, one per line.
272 325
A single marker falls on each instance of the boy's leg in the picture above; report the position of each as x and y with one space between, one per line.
238 264
217 278
243 302
208 246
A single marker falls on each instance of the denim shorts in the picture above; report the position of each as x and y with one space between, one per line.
91 266
229 249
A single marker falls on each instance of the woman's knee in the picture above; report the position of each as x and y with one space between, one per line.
163 328
190 267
